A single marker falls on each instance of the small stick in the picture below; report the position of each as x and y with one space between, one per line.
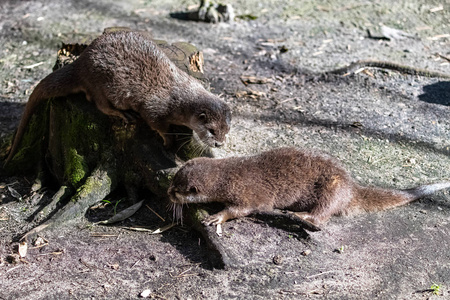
315 275
13 268
155 213
447 58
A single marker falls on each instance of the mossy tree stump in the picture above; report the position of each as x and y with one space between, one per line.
88 154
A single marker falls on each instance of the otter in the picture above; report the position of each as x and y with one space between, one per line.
125 70
313 186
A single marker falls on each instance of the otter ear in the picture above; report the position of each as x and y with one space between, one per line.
202 117
193 190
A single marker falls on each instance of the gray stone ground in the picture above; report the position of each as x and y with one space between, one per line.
389 129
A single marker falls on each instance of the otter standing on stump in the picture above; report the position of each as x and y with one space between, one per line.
314 186
125 70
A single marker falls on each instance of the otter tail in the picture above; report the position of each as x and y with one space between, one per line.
376 199
57 84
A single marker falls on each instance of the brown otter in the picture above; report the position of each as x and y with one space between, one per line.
125 70
313 185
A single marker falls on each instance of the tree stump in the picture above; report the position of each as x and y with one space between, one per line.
88 154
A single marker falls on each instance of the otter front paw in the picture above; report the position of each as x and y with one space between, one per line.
168 141
214 220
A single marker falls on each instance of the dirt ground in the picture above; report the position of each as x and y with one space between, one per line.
390 129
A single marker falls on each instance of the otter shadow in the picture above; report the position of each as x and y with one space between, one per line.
185 15
285 223
437 93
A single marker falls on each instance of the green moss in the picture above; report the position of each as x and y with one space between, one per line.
76 168
198 214
88 188
79 138
31 150
99 184
164 180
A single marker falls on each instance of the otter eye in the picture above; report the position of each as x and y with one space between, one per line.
202 117
193 190
212 131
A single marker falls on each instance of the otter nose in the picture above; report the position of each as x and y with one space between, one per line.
218 144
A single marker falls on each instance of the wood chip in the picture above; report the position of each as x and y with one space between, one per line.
40 242
250 93
162 229
306 252
437 8
219 230
23 248
438 37
33 65
254 79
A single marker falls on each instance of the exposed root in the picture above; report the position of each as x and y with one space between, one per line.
97 186
60 196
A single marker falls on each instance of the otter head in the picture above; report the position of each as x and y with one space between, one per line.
190 184
211 120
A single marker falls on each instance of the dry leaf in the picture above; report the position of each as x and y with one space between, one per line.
124 214
14 193
394 34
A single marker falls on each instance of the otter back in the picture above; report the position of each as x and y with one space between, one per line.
125 70
313 185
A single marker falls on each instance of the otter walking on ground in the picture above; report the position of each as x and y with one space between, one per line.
125 70
313 185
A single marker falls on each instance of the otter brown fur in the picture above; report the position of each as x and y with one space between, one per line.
313 185
125 70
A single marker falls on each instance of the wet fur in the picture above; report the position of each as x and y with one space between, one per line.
313 185
126 71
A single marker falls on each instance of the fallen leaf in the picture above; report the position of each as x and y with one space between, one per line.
14 193
394 34
124 214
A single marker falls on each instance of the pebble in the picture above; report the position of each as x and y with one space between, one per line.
145 294
306 252
277 259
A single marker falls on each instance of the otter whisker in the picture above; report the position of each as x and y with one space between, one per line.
177 210
182 145
200 149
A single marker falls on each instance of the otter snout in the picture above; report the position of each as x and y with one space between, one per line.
173 195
